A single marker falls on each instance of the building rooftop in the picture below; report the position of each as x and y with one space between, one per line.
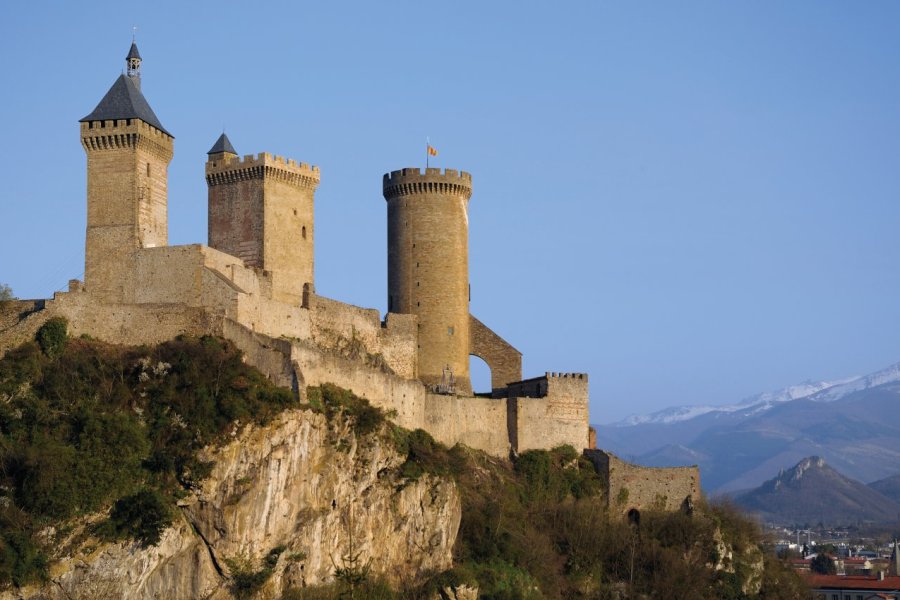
223 144
133 52
854 582
124 101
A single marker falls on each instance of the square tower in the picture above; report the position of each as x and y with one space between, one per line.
261 211
128 154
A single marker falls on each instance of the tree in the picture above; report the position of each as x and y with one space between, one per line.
823 565
6 293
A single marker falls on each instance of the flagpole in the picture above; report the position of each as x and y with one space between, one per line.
427 144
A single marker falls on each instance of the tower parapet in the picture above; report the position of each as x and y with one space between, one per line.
261 211
428 268
411 181
222 171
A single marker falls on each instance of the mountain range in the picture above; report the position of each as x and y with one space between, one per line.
812 492
854 424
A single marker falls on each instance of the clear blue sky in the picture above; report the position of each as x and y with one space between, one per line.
691 201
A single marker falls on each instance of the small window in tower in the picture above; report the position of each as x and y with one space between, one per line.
303 232
417 304
148 169
295 212
450 330
417 284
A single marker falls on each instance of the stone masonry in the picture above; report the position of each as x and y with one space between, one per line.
261 211
254 285
636 488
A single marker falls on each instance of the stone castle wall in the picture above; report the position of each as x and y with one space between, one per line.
550 411
254 285
632 487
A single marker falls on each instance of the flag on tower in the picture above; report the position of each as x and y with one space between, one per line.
432 151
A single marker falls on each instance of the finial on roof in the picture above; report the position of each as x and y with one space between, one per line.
223 144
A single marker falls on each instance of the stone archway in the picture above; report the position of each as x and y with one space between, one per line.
480 374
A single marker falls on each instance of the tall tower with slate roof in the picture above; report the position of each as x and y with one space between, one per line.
128 154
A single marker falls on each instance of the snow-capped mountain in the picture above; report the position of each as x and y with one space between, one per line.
849 422
820 391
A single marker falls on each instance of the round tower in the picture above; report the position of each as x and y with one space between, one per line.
428 268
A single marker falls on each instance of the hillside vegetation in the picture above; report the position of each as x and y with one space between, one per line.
88 427
111 435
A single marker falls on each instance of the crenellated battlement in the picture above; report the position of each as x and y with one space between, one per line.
125 133
100 128
552 375
412 181
229 170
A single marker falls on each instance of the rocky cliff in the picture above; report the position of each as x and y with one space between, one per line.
285 505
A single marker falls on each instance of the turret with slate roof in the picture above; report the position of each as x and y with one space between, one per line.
222 149
124 99
128 154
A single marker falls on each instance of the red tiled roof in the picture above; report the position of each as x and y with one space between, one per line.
854 582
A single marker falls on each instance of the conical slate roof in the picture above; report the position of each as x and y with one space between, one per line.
133 53
124 101
223 144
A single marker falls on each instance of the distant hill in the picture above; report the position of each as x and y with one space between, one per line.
889 486
740 446
812 492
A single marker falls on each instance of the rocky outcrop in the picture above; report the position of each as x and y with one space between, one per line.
308 495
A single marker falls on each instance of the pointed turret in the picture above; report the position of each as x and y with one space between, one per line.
133 64
124 99
222 149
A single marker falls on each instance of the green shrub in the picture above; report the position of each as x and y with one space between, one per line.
556 474
246 577
85 423
52 336
142 516
335 401
22 561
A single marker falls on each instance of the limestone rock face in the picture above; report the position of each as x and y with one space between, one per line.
318 495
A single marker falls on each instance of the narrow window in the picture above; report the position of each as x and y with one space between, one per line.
148 169
450 330
417 284
303 232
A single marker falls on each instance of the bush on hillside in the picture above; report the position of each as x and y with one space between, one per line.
52 336
86 425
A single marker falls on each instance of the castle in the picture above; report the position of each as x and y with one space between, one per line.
254 284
